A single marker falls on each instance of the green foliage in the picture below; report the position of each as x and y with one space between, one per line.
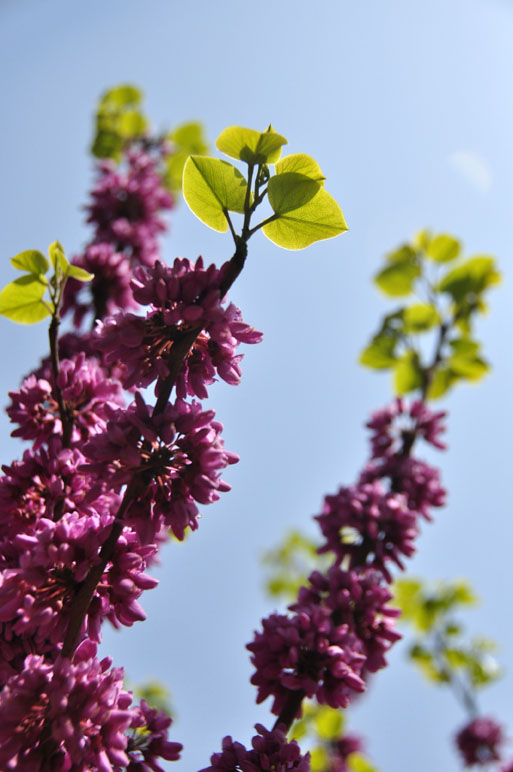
23 299
439 318
303 212
187 139
252 147
211 188
408 374
359 763
155 694
440 651
119 120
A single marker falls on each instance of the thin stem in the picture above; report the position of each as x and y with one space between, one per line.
261 224
290 709
66 417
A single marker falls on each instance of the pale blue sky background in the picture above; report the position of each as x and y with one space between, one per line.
407 106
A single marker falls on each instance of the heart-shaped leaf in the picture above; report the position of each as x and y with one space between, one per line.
211 187
253 147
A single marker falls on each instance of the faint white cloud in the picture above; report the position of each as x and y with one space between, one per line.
473 167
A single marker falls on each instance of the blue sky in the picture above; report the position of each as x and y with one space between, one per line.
408 109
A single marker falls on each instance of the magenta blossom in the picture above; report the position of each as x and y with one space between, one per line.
400 423
173 460
359 600
270 752
126 208
309 653
479 742
183 297
368 526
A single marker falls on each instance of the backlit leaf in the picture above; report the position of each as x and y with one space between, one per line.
211 186
380 353
407 374
398 278
319 218
75 272
22 301
443 248
420 317
470 279
253 147
57 256
329 723
31 260
300 163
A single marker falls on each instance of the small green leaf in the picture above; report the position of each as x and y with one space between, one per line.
31 260
422 239
329 723
380 353
300 163
211 186
407 374
356 762
253 147
420 317
319 759
131 124
121 96
398 278
473 368
405 255
319 218
470 279
22 301
74 272
58 257
443 248
289 191
188 139
441 382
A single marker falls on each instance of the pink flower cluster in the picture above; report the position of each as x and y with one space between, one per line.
270 752
342 626
182 297
479 742
75 715
98 468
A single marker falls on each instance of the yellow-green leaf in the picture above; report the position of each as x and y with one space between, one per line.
188 139
358 763
300 163
441 382
398 278
253 147
407 374
443 248
289 191
319 218
329 723
380 353
74 272
420 317
212 186
471 278
57 256
22 301
319 759
31 260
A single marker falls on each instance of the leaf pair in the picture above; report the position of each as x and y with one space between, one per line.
303 212
23 299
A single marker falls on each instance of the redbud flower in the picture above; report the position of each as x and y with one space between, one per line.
479 742
368 526
307 652
270 752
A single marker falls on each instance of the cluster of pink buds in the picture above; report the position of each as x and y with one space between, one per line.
107 478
